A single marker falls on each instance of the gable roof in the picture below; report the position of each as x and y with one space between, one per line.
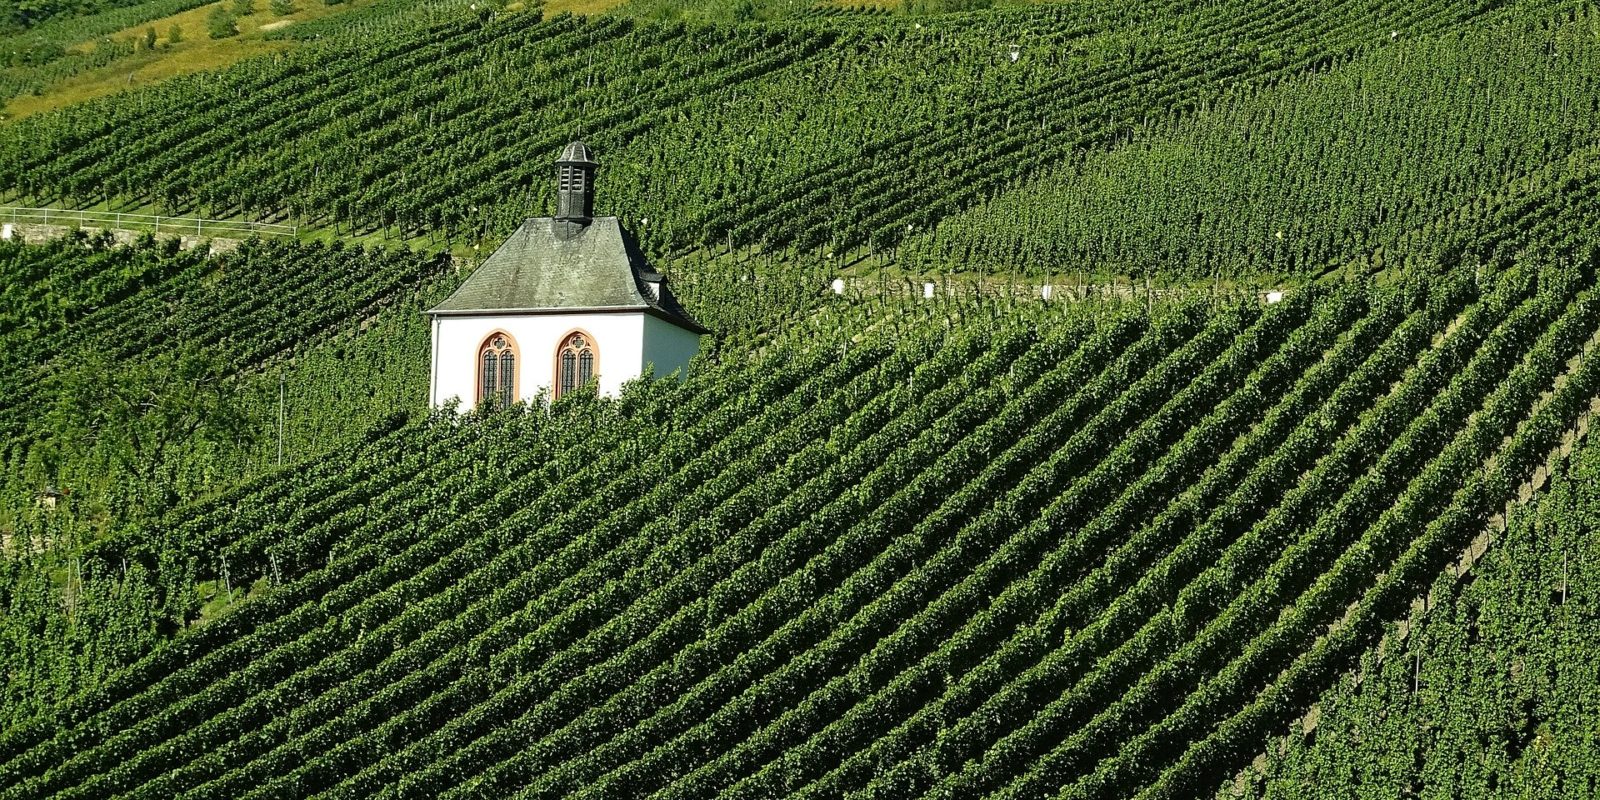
557 266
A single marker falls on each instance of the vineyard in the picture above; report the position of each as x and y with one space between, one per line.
1105 399
933 551
1490 691
717 135
128 303
1199 197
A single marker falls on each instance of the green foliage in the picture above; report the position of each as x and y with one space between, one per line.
34 53
944 6
139 413
244 8
117 462
956 547
24 14
80 316
976 546
65 630
283 8
717 11
175 33
221 23
848 133
1271 181
1480 697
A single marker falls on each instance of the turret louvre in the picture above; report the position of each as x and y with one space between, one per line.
575 184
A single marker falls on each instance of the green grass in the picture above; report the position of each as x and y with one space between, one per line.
196 52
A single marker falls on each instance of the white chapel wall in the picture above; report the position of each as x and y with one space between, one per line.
668 347
618 342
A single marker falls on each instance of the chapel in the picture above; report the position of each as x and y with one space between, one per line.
564 302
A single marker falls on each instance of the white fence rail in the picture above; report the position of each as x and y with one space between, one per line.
116 220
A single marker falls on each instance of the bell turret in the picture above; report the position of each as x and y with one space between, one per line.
575 184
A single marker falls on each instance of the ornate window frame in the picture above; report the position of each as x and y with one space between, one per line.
562 345
502 349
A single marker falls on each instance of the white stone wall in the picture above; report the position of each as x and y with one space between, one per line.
668 347
40 234
618 341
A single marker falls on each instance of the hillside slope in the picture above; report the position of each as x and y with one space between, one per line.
824 133
942 549
1357 165
1493 691
1113 544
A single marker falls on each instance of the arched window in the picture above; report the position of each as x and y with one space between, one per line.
497 370
575 362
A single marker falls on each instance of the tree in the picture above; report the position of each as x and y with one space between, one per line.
221 23
140 415
150 39
175 34
244 8
283 8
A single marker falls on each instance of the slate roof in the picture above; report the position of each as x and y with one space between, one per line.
555 266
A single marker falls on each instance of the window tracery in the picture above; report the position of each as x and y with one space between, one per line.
575 362
497 370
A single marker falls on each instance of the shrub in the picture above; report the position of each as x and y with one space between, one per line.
221 23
